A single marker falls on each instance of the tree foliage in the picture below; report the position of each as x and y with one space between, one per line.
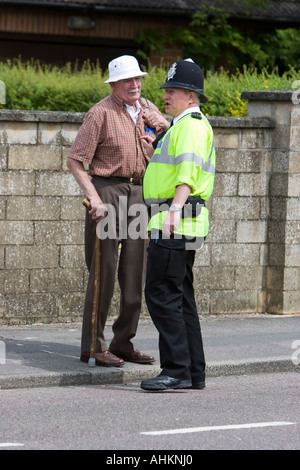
213 41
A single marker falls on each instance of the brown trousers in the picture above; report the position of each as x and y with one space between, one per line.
131 270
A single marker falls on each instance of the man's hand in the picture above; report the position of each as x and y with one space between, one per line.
78 171
98 210
156 121
147 144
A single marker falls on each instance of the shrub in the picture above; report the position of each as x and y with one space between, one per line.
32 86
224 90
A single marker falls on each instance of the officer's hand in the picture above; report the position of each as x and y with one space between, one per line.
171 222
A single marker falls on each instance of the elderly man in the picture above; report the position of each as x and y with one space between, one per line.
109 142
178 181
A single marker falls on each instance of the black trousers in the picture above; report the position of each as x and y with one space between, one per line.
169 295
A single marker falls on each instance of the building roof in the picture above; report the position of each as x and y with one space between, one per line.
275 10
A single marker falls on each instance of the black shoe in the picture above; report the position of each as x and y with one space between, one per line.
162 382
190 385
184 384
198 385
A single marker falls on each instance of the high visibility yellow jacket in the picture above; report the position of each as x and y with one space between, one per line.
184 155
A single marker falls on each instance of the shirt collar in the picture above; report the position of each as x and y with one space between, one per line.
134 113
194 109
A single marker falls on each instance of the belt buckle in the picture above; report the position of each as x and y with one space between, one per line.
131 180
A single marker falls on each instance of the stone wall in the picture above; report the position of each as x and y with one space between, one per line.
282 251
249 262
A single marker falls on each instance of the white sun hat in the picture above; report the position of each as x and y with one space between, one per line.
124 67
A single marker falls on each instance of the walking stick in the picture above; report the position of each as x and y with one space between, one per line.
92 360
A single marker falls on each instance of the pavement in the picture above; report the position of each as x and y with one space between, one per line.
48 355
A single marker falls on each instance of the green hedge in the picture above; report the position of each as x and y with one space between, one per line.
34 87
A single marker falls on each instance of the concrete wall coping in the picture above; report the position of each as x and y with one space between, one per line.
17 115
241 122
268 95
40 116
218 121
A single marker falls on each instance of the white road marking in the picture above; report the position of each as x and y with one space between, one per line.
218 428
58 354
10 444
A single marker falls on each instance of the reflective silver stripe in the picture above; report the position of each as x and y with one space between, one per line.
164 157
209 160
185 157
149 201
211 150
213 142
165 145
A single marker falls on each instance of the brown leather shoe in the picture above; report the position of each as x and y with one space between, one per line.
105 359
135 356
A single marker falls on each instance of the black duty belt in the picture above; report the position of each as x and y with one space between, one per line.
191 208
119 179
190 200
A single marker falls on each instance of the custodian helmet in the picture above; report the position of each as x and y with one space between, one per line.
186 74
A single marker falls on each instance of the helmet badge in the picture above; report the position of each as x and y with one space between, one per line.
172 71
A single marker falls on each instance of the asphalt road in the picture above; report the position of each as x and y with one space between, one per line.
252 412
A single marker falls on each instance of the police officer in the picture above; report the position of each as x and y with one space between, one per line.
178 181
